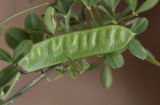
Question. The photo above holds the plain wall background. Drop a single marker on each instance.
(137, 83)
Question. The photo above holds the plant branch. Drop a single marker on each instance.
(24, 11)
(29, 85)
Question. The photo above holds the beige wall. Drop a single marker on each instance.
(135, 84)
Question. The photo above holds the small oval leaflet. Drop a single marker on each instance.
(76, 45)
(50, 20)
(106, 77)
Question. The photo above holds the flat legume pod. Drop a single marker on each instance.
(76, 45)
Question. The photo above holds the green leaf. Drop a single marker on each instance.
(66, 5)
(89, 3)
(125, 11)
(21, 50)
(7, 89)
(8, 78)
(147, 5)
(140, 25)
(112, 3)
(96, 41)
(102, 8)
(106, 77)
(5, 56)
(7, 74)
(33, 22)
(115, 60)
(50, 19)
(152, 59)
(35, 26)
(14, 36)
(1, 30)
(137, 49)
(85, 66)
(132, 4)
(36, 36)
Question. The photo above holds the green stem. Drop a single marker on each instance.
(127, 17)
(104, 10)
(66, 23)
(24, 11)
(113, 11)
(92, 16)
(29, 85)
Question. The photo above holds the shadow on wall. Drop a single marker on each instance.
(135, 84)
